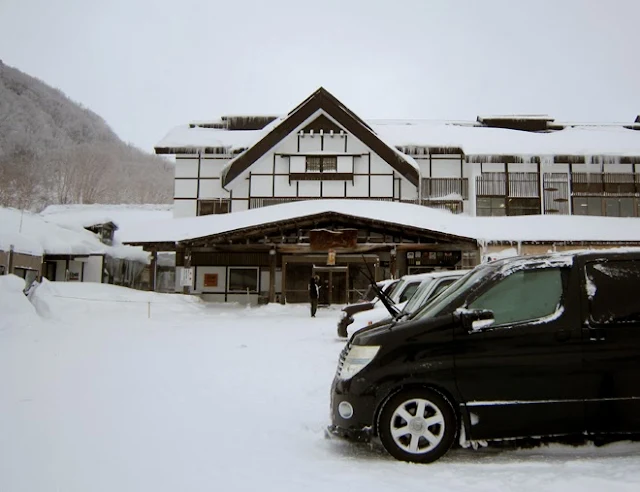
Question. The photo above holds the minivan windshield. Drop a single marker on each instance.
(463, 284)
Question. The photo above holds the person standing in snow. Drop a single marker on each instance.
(314, 290)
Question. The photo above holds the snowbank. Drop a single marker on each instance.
(56, 300)
(15, 308)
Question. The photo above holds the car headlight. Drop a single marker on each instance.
(357, 359)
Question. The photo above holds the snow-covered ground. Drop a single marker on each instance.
(108, 389)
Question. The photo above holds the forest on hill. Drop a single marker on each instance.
(54, 151)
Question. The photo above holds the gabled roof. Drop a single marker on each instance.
(321, 100)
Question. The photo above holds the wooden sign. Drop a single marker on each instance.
(325, 239)
(331, 257)
(210, 279)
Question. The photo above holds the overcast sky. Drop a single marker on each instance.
(146, 66)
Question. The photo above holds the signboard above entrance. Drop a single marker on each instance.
(325, 239)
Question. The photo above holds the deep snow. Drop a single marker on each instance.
(98, 396)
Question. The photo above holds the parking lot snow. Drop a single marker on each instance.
(120, 390)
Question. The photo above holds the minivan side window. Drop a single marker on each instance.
(442, 285)
(408, 292)
(612, 288)
(524, 295)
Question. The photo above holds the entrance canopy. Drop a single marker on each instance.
(420, 222)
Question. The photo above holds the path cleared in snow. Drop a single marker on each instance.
(97, 396)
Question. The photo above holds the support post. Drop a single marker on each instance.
(401, 264)
(153, 269)
(284, 280)
(10, 262)
(272, 275)
(187, 264)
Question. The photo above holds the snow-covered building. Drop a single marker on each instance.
(263, 202)
(31, 246)
(494, 166)
(121, 265)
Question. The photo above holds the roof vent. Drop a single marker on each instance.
(524, 122)
(247, 122)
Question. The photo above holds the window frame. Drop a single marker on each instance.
(215, 202)
(330, 161)
(243, 291)
(523, 322)
(494, 199)
(601, 202)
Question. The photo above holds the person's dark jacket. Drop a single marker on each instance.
(313, 289)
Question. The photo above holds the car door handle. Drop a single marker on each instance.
(563, 335)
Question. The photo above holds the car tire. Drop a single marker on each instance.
(342, 326)
(417, 425)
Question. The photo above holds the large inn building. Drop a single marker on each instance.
(263, 166)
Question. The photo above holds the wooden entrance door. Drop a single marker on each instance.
(333, 285)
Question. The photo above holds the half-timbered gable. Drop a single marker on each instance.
(319, 150)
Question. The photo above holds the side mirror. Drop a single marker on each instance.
(475, 319)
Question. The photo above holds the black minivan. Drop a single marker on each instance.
(521, 347)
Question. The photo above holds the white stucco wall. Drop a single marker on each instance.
(93, 269)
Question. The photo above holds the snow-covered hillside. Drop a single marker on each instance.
(109, 389)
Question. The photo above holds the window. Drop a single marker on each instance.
(587, 205)
(490, 206)
(599, 206)
(618, 207)
(513, 193)
(523, 296)
(321, 163)
(408, 291)
(241, 279)
(443, 285)
(609, 285)
(523, 206)
(214, 207)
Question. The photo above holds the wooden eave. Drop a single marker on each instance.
(565, 243)
(558, 159)
(316, 221)
(154, 245)
(321, 100)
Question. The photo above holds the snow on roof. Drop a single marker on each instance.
(472, 138)
(479, 140)
(485, 229)
(516, 117)
(123, 216)
(31, 234)
(185, 136)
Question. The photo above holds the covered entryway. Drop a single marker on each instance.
(277, 256)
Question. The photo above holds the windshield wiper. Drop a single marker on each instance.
(383, 296)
